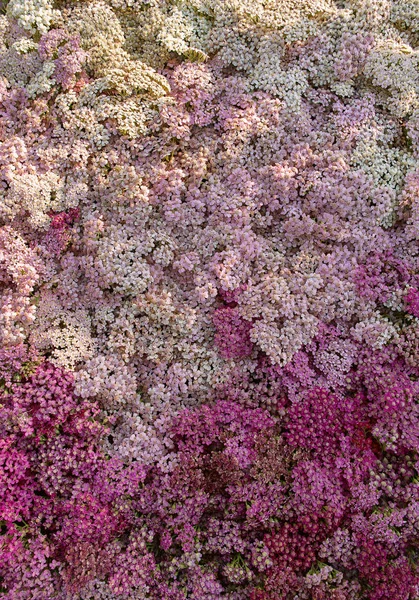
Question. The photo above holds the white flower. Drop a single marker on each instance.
(33, 15)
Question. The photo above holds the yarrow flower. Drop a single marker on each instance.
(209, 300)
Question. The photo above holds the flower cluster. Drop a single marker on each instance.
(209, 299)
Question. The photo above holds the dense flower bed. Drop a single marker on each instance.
(209, 299)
